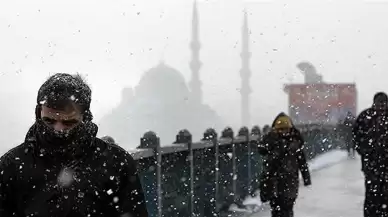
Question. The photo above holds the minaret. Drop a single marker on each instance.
(245, 74)
(195, 64)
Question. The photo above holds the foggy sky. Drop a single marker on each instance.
(114, 42)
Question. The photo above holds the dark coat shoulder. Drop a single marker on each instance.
(103, 181)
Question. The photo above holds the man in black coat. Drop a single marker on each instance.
(282, 149)
(370, 134)
(347, 131)
(62, 169)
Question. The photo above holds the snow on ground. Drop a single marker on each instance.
(328, 159)
(254, 205)
(337, 191)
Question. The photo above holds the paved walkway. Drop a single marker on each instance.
(337, 191)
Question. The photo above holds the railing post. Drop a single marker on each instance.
(256, 131)
(158, 152)
(228, 177)
(150, 140)
(211, 135)
(253, 145)
(184, 136)
(234, 170)
(244, 132)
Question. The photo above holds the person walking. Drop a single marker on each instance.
(282, 149)
(370, 135)
(62, 169)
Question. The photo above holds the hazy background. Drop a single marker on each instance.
(114, 42)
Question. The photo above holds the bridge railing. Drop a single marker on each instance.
(204, 178)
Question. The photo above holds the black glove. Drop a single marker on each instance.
(307, 182)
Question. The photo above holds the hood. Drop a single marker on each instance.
(282, 121)
(30, 136)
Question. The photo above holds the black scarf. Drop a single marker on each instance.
(71, 144)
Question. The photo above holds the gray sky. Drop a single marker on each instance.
(114, 42)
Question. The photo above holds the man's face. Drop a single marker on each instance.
(283, 130)
(61, 120)
(381, 106)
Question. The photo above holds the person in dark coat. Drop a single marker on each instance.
(370, 134)
(62, 169)
(282, 149)
(347, 131)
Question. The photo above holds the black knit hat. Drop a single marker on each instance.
(61, 89)
(380, 97)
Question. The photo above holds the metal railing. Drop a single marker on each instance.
(204, 178)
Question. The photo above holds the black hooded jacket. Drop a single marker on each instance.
(94, 179)
(283, 159)
(370, 135)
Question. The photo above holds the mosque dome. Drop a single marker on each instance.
(163, 82)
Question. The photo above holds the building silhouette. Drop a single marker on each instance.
(245, 74)
(310, 73)
(163, 102)
(195, 64)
